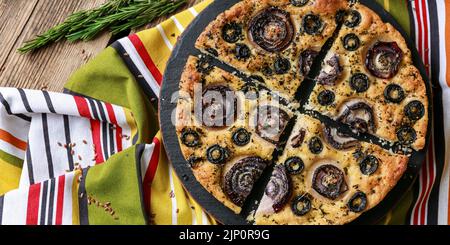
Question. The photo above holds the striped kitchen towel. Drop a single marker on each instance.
(67, 159)
(128, 74)
(110, 193)
(52, 133)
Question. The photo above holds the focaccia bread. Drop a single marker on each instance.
(372, 75)
(233, 120)
(220, 153)
(315, 183)
(274, 41)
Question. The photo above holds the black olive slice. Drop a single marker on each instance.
(301, 205)
(239, 180)
(294, 165)
(357, 202)
(219, 106)
(306, 61)
(331, 71)
(315, 145)
(271, 122)
(242, 51)
(281, 65)
(369, 165)
(326, 97)
(359, 116)
(406, 135)
(414, 110)
(241, 137)
(359, 82)
(354, 20)
(338, 141)
(231, 32)
(272, 29)
(383, 59)
(278, 188)
(312, 24)
(190, 137)
(299, 3)
(394, 93)
(217, 154)
(351, 42)
(204, 64)
(329, 181)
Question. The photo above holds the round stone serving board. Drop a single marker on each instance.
(175, 66)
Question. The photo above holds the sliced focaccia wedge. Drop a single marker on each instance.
(226, 136)
(369, 82)
(324, 177)
(274, 41)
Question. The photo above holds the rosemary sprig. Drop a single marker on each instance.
(118, 15)
(129, 16)
(148, 14)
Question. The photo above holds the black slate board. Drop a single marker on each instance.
(185, 47)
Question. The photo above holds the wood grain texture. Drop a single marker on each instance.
(50, 67)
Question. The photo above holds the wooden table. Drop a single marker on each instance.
(48, 68)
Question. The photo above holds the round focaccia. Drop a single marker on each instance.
(233, 119)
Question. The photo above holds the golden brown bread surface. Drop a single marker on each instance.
(260, 60)
(208, 174)
(388, 117)
(324, 210)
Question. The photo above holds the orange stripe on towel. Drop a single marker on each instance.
(11, 139)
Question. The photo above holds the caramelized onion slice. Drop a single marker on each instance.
(329, 181)
(239, 180)
(272, 29)
(383, 59)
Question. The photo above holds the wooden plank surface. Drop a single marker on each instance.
(50, 67)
